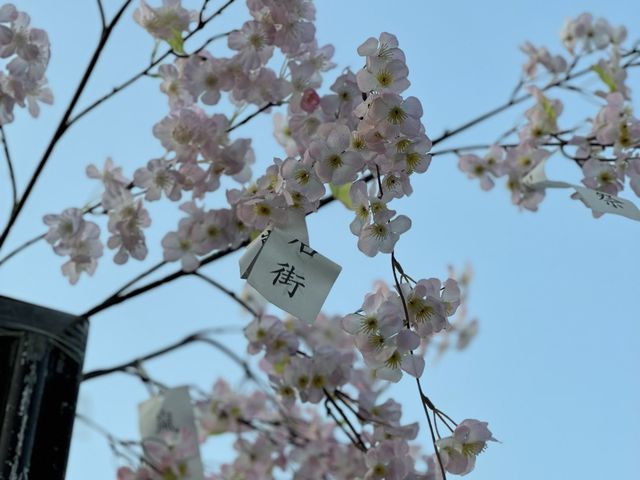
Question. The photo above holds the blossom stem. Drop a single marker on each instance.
(12, 176)
(395, 267)
(433, 438)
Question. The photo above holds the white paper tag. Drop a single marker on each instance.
(597, 201)
(289, 273)
(602, 202)
(537, 178)
(169, 434)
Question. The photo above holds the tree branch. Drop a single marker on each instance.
(514, 101)
(22, 247)
(253, 115)
(200, 336)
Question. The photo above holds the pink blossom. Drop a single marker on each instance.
(77, 238)
(381, 236)
(253, 44)
(384, 77)
(163, 22)
(310, 100)
(158, 177)
(333, 162)
(459, 451)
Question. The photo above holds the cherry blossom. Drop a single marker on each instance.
(166, 21)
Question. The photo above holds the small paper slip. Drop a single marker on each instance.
(602, 202)
(289, 273)
(169, 434)
(599, 202)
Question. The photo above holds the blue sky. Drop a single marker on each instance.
(554, 367)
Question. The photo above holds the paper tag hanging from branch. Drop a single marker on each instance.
(169, 434)
(289, 273)
(599, 202)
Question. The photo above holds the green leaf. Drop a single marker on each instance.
(176, 42)
(341, 192)
(605, 77)
(548, 109)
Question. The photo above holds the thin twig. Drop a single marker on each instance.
(514, 101)
(113, 442)
(226, 291)
(359, 442)
(21, 247)
(12, 175)
(394, 267)
(142, 275)
(201, 14)
(145, 72)
(253, 115)
(433, 437)
(103, 19)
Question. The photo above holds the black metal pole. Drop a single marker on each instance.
(41, 356)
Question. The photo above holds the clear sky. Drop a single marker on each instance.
(554, 367)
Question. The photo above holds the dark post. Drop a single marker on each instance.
(41, 356)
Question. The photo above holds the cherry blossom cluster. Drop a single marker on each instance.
(167, 456)
(388, 340)
(337, 140)
(362, 437)
(317, 363)
(605, 146)
(73, 236)
(27, 50)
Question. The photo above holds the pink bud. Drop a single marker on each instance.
(310, 100)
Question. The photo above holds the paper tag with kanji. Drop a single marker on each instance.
(169, 434)
(602, 202)
(599, 202)
(289, 273)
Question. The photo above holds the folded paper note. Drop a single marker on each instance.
(599, 202)
(289, 273)
(169, 434)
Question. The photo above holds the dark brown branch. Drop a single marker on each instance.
(21, 247)
(395, 267)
